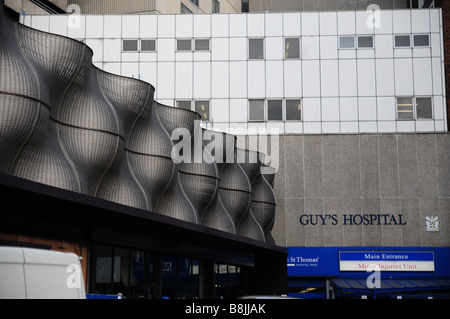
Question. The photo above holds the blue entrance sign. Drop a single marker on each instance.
(386, 260)
(352, 261)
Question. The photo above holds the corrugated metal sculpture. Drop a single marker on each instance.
(68, 124)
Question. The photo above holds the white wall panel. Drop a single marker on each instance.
(328, 47)
(255, 25)
(367, 108)
(384, 46)
(330, 109)
(384, 23)
(130, 26)
(310, 23)
(349, 127)
(329, 77)
(238, 49)
(402, 20)
(311, 78)
(202, 26)
(274, 79)
(238, 25)
(435, 17)
(220, 111)
(274, 24)
(330, 127)
(256, 79)
(438, 108)
(403, 77)
(202, 80)
(368, 127)
(148, 72)
(420, 21)
(164, 88)
(219, 49)
(183, 80)
(238, 79)
(220, 80)
(385, 76)
(348, 107)
(293, 127)
(130, 70)
(274, 48)
(219, 23)
(386, 108)
(438, 76)
(365, 22)
(346, 23)
(291, 24)
(311, 109)
(328, 23)
(76, 31)
(238, 110)
(184, 25)
(422, 77)
(149, 26)
(292, 78)
(112, 50)
(166, 26)
(113, 68)
(166, 49)
(347, 78)
(366, 77)
(113, 27)
(310, 48)
(387, 127)
(94, 27)
(58, 25)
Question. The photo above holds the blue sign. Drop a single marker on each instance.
(325, 261)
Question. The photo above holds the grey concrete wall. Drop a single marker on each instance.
(376, 174)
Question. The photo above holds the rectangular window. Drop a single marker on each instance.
(202, 44)
(184, 105)
(405, 108)
(256, 110)
(424, 108)
(130, 45)
(292, 48)
(202, 108)
(256, 49)
(215, 6)
(421, 40)
(184, 45)
(148, 45)
(402, 41)
(293, 110)
(365, 42)
(346, 42)
(275, 110)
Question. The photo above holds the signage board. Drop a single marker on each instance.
(386, 260)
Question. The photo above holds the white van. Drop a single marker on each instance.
(28, 273)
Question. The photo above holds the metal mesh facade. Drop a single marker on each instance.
(68, 124)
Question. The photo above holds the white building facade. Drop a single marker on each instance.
(298, 72)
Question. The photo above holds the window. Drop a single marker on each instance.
(148, 45)
(292, 48)
(346, 42)
(256, 49)
(402, 41)
(184, 45)
(405, 108)
(202, 44)
(256, 110)
(184, 105)
(202, 108)
(130, 45)
(410, 108)
(421, 40)
(424, 108)
(215, 6)
(293, 110)
(352, 42)
(365, 42)
(275, 110)
(184, 9)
